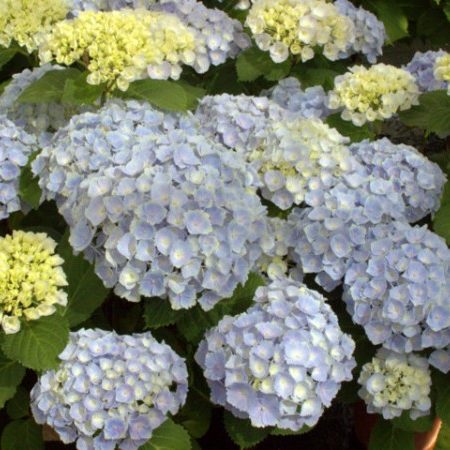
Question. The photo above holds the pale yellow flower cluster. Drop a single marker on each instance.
(375, 93)
(118, 47)
(25, 21)
(297, 27)
(442, 69)
(30, 278)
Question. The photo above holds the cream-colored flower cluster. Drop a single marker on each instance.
(30, 278)
(442, 69)
(374, 93)
(25, 21)
(297, 27)
(393, 383)
(119, 47)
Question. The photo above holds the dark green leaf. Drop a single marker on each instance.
(281, 432)
(168, 95)
(442, 389)
(169, 436)
(77, 91)
(49, 88)
(29, 190)
(253, 63)
(195, 415)
(346, 128)
(18, 406)
(441, 220)
(393, 17)
(420, 425)
(38, 343)
(241, 431)
(432, 114)
(22, 435)
(385, 437)
(85, 291)
(6, 54)
(158, 313)
(11, 372)
(443, 442)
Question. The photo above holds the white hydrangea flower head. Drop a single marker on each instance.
(393, 383)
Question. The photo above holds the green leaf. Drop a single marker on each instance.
(280, 432)
(443, 442)
(346, 128)
(49, 88)
(18, 406)
(385, 437)
(6, 54)
(194, 322)
(442, 388)
(241, 431)
(169, 436)
(432, 114)
(195, 415)
(22, 435)
(77, 91)
(441, 220)
(38, 343)
(29, 190)
(420, 425)
(158, 313)
(85, 291)
(393, 17)
(168, 95)
(11, 374)
(253, 63)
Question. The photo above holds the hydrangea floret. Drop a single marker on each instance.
(401, 294)
(163, 210)
(31, 278)
(369, 32)
(393, 383)
(422, 67)
(374, 93)
(309, 103)
(281, 362)
(41, 119)
(297, 27)
(118, 47)
(110, 390)
(26, 21)
(16, 147)
(442, 69)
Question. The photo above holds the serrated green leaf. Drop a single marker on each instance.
(29, 190)
(346, 128)
(48, 88)
(85, 292)
(432, 114)
(167, 95)
(22, 435)
(6, 393)
(385, 437)
(253, 63)
(169, 436)
(441, 220)
(393, 17)
(442, 388)
(420, 425)
(158, 313)
(38, 343)
(195, 416)
(77, 91)
(280, 432)
(6, 54)
(241, 431)
(18, 406)
(11, 372)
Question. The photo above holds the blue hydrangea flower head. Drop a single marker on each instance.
(419, 180)
(369, 32)
(309, 103)
(281, 362)
(401, 293)
(160, 208)
(393, 383)
(16, 146)
(110, 390)
(41, 119)
(421, 67)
